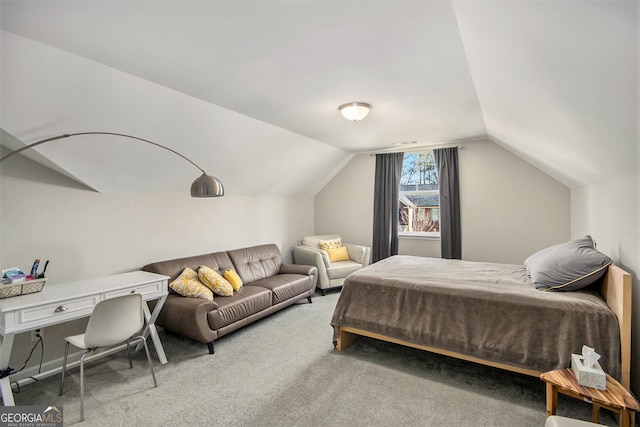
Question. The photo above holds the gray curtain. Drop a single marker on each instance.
(385, 205)
(450, 232)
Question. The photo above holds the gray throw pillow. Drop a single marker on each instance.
(567, 267)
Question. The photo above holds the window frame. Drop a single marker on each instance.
(427, 235)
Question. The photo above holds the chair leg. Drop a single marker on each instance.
(309, 299)
(82, 385)
(210, 345)
(146, 349)
(129, 354)
(64, 367)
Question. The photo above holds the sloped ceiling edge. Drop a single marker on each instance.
(48, 92)
(557, 83)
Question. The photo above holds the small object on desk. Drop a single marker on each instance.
(34, 268)
(22, 287)
(41, 275)
(14, 275)
(587, 369)
(615, 398)
(6, 270)
(15, 283)
(5, 279)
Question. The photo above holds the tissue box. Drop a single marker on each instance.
(588, 376)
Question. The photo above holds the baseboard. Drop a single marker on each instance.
(54, 366)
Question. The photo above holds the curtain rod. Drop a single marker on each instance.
(422, 146)
(414, 148)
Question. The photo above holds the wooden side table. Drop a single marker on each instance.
(615, 398)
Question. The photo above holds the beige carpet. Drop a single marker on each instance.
(283, 371)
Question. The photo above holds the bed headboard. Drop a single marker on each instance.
(616, 291)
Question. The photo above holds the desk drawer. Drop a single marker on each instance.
(48, 313)
(147, 290)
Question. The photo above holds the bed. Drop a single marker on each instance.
(487, 313)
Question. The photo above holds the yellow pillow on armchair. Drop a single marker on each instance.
(330, 244)
(338, 254)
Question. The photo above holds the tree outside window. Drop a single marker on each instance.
(419, 202)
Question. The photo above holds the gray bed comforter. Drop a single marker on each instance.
(484, 310)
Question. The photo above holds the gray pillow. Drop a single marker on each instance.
(567, 267)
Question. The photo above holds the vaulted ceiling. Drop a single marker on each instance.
(249, 90)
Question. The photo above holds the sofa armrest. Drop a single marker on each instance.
(188, 316)
(358, 253)
(307, 270)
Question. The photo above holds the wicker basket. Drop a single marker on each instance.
(22, 288)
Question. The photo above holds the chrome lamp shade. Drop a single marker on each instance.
(207, 186)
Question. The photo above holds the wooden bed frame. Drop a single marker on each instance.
(615, 289)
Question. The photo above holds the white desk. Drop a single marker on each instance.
(74, 300)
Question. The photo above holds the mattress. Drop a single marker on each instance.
(484, 310)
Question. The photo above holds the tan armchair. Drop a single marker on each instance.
(330, 274)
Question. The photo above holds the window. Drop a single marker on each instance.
(419, 202)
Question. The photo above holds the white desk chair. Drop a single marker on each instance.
(113, 322)
(556, 421)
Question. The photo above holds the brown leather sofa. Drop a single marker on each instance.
(269, 285)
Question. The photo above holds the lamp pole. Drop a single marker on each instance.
(203, 186)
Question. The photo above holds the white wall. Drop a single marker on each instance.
(345, 205)
(87, 234)
(610, 212)
(510, 209)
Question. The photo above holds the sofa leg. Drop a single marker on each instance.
(309, 299)
(323, 291)
(210, 345)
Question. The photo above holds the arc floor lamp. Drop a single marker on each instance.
(204, 186)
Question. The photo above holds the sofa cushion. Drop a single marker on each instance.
(218, 261)
(256, 262)
(284, 286)
(247, 301)
(341, 269)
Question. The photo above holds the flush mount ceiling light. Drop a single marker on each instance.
(354, 111)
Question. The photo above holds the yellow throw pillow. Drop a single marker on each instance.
(187, 285)
(338, 254)
(214, 281)
(330, 244)
(233, 278)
